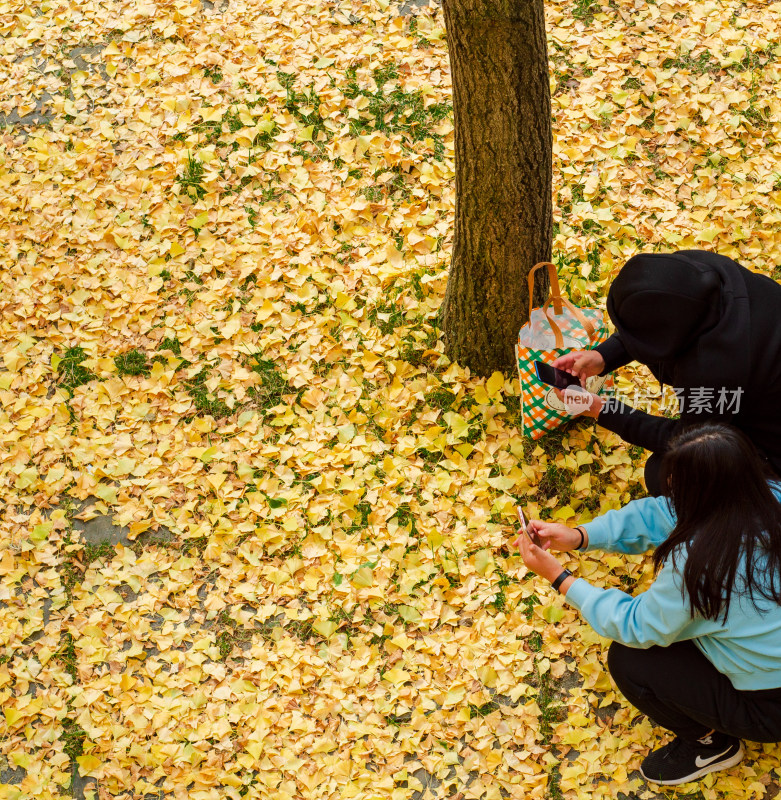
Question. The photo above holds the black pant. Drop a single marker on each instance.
(679, 689)
(653, 478)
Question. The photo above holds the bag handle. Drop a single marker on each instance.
(557, 335)
(576, 312)
(558, 301)
(555, 289)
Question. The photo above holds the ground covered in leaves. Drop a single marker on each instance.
(225, 232)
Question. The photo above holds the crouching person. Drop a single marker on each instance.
(699, 652)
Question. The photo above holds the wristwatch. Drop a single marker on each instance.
(563, 577)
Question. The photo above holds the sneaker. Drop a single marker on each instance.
(684, 760)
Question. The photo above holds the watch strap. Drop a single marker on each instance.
(563, 577)
(582, 531)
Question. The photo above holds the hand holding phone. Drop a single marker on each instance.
(554, 377)
(554, 535)
(531, 534)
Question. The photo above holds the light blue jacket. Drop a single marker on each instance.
(746, 648)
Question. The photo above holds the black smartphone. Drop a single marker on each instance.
(554, 377)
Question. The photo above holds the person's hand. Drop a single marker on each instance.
(553, 536)
(537, 559)
(580, 403)
(581, 363)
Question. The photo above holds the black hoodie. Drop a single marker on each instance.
(707, 326)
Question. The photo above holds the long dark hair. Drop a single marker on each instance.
(728, 520)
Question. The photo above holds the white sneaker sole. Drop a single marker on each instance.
(726, 764)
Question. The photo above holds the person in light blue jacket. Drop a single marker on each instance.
(699, 652)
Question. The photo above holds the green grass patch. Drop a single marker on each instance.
(552, 710)
(70, 371)
(133, 362)
(483, 710)
(191, 179)
(396, 111)
(404, 516)
(703, 63)
(196, 544)
(584, 10)
(387, 316)
(206, 403)
(67, 655)
(758, 116)
(301, 629)
(102, 550)
(214, 74)
(374, 194)
(171, 343)
(304, 106)
(500, 598)
(554, 784)
(73, 738)
(397, 720)
(273, 384)
(528, 604)
(361, 519)
(230, 635)
(440, 398)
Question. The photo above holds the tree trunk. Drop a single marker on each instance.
(503, 153)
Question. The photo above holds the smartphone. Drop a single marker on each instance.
(533, 536)
(554, 377)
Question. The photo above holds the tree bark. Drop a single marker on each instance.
(503, 154)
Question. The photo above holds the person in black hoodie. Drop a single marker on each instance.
(704, 325)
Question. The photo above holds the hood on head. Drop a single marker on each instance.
(660, 304)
